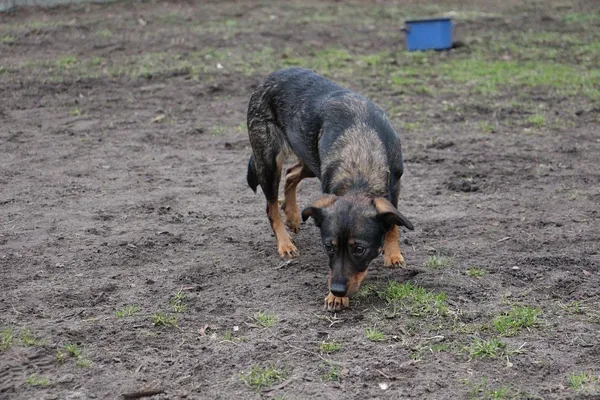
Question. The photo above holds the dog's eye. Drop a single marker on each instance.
(329, 247)
(359, 250)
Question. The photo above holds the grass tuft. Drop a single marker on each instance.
(265, 319)
(6, 338)
(476, 272)
(437, 261)
(28, 338)
(582, 381)
(374, 335)
(66, 62)
(416, 300)
(332, 373)
(177, 302)
(104, 33)
(73, 351)
(536, 121)
(127, 311)
(259, 378)
(519, 317)
(35, 380)
(330, 347)
(486, 348)
(162, 319)
(7, 39)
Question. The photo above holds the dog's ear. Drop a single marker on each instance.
(316, 209)
(389, 215)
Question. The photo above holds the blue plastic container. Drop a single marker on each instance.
(428, 34)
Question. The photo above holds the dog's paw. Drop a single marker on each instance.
(292, 217)
(333, 303)
(287, 249)
(393, 260)
(293, 222)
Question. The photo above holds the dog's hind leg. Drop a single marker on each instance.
(268, 151)
(392, 256)
(293, 176)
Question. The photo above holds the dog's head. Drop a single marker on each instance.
(352, 232)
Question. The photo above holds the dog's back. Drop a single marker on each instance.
(342, 137)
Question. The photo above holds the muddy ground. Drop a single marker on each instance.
(134, 257)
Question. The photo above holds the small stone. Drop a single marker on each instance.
(66, 378)
(515, 268)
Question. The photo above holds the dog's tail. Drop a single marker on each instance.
(252, 176)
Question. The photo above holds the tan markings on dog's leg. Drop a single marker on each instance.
(391, 249)
(285, 247)
(333, 303)
(290, 206)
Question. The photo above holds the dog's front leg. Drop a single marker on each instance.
(392, 257)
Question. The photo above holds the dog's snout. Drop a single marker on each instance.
(339, 289)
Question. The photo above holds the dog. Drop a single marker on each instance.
(347, 142)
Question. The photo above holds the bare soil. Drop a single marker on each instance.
(122, 190)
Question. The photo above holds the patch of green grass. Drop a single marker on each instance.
(580, 18)
(177, 302)
(66, 62)
(162, 319)
(73, 350)
(83, 362)
(519, 317)
(416, 300)
(331, 373)
(374, 335)
(536, 121)
(431, 349)
(490, 76)
(75, 112)
(127, 311)
(483, 391)
(486, 348)
(265, 319)
(366, 291)
(574, 307)
(6, 338)
(242, 127)
(259, 378)
(35, 380)
(410, 126)
(218, 130)
(436, 261)
(583, 381)
(487, 127)
(95, 61)
(578, 381)
(172, 18)
(330, 347)
(28, 338)
(104, 33)
(476, 272)
(7, 39)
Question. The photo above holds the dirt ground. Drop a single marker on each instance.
(134, 257)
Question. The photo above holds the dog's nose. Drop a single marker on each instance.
(338, 289)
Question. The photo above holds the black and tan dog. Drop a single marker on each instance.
(348, 143)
